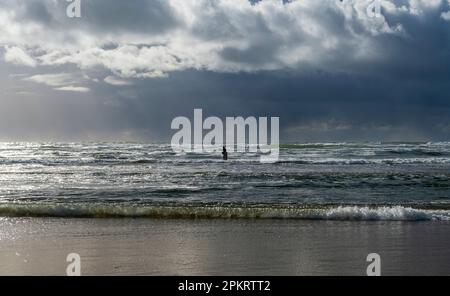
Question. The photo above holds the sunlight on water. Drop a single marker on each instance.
(361, 174)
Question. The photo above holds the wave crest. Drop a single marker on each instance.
(210, 211)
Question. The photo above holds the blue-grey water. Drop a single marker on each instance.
(363, 181)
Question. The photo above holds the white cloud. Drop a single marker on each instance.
(117, 81)
(446, 16)
(18, 56)
(61, 81)
(53, 79)
(24, 93)
(321, 126)
(73, 88)
(221, 36)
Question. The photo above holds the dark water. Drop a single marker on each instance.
(363, 181)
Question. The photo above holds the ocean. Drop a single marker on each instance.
(315, 181)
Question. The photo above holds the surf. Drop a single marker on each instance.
(227, 211)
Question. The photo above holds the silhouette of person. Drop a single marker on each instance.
(224, 153)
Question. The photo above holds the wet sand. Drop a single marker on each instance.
(39, 246)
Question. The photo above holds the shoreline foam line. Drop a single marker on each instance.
(224, 211)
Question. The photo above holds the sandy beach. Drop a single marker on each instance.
(39, 246)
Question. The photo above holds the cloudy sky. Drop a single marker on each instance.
(122, 71)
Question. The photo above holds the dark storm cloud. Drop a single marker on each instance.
(99, 16)
(326, 69)
(36, 11)
(313, 106)
(154, 16)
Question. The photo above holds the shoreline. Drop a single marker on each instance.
(196, 210)
(136, 246)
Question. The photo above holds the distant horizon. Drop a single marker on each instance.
(168, 142)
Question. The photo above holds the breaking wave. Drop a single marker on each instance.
(225, 211)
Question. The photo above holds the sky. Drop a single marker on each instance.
(328, 69)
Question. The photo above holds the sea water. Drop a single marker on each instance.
(339, 181)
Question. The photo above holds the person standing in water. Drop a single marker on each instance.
(224, 153)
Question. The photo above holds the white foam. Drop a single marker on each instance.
(395, 213)
(358, 213)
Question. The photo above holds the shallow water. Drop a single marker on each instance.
(39, 246)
